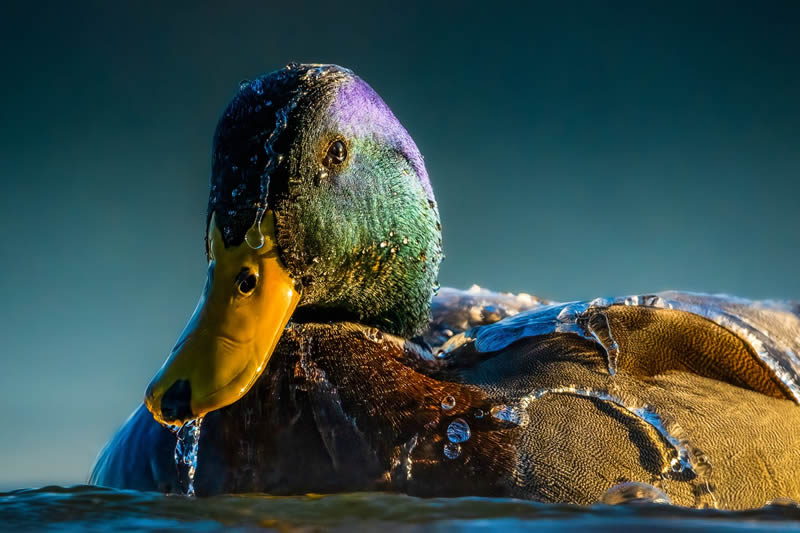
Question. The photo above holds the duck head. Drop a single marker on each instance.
(320, 210)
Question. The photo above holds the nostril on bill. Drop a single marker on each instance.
(176, 404)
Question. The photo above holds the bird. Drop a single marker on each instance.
(324, 357)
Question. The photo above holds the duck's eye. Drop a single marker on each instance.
(336, 154)
(246, 281)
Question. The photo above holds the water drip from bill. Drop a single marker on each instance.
(186, 449)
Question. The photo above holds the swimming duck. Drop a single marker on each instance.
(320, 357)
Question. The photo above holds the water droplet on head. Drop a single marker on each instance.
(383, 244)
(478, 413)
(254, 237)
(452, 450)
(243, 84)
(458, 431)
(321, 176)
(405, 240)
(448, 402)
(258, 86)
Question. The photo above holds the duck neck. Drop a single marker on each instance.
(379, 268)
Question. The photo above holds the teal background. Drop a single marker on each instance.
(577, 149)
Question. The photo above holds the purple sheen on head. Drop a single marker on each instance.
(361, 111)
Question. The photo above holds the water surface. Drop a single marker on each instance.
(87, 508)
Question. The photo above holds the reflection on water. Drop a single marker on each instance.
(83, 508)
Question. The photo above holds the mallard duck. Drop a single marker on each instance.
(321, 359)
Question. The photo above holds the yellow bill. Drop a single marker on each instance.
(248, 299)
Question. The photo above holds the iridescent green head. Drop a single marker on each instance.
(311, 162)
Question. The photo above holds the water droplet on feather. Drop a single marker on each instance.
(633, 493)
(452, 450)
(458, 431)
(599, 329)
(511, 414)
